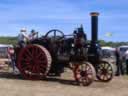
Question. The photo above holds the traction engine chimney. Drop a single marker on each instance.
(94, 26)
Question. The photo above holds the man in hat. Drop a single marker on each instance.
(23, 37)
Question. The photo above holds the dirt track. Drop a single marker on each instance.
(11, 85)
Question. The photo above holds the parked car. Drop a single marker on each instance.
(108, 52)
(122, 50)
(5, 53)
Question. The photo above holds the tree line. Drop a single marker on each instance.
(8, 40)
(13, 41)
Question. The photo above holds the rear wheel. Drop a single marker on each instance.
(34, 62)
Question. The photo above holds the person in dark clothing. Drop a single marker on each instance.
(81, 33)
(126, 61)
(119, 64)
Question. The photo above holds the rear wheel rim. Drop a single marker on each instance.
(33, 62)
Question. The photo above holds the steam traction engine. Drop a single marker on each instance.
(49, 54)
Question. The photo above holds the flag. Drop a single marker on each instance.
(108, 34)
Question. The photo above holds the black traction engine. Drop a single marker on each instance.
(50, 54)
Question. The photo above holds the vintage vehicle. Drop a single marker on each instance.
(49, 54)
(108, 52)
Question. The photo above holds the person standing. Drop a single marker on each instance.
(23, 37)
(33, 35)
(126, 61)
(118, 63)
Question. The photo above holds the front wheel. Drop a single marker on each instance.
(84, 73)
(105, 71)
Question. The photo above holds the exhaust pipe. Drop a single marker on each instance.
(94, 26)
(93, 51)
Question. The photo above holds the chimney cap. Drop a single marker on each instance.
(94, 13)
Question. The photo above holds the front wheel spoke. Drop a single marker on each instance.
(109, 76)
(89, 73)
(105, 65)
(85, 81)
(90, 76)
(99, 71)
(82, 67)
(100, 67)
(89, 69)
(108, 66)
(77, 74)
(110, 72)
(105, 77)
(78, 70)
(102, 77)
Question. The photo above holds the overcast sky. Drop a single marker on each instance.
(66, 15)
